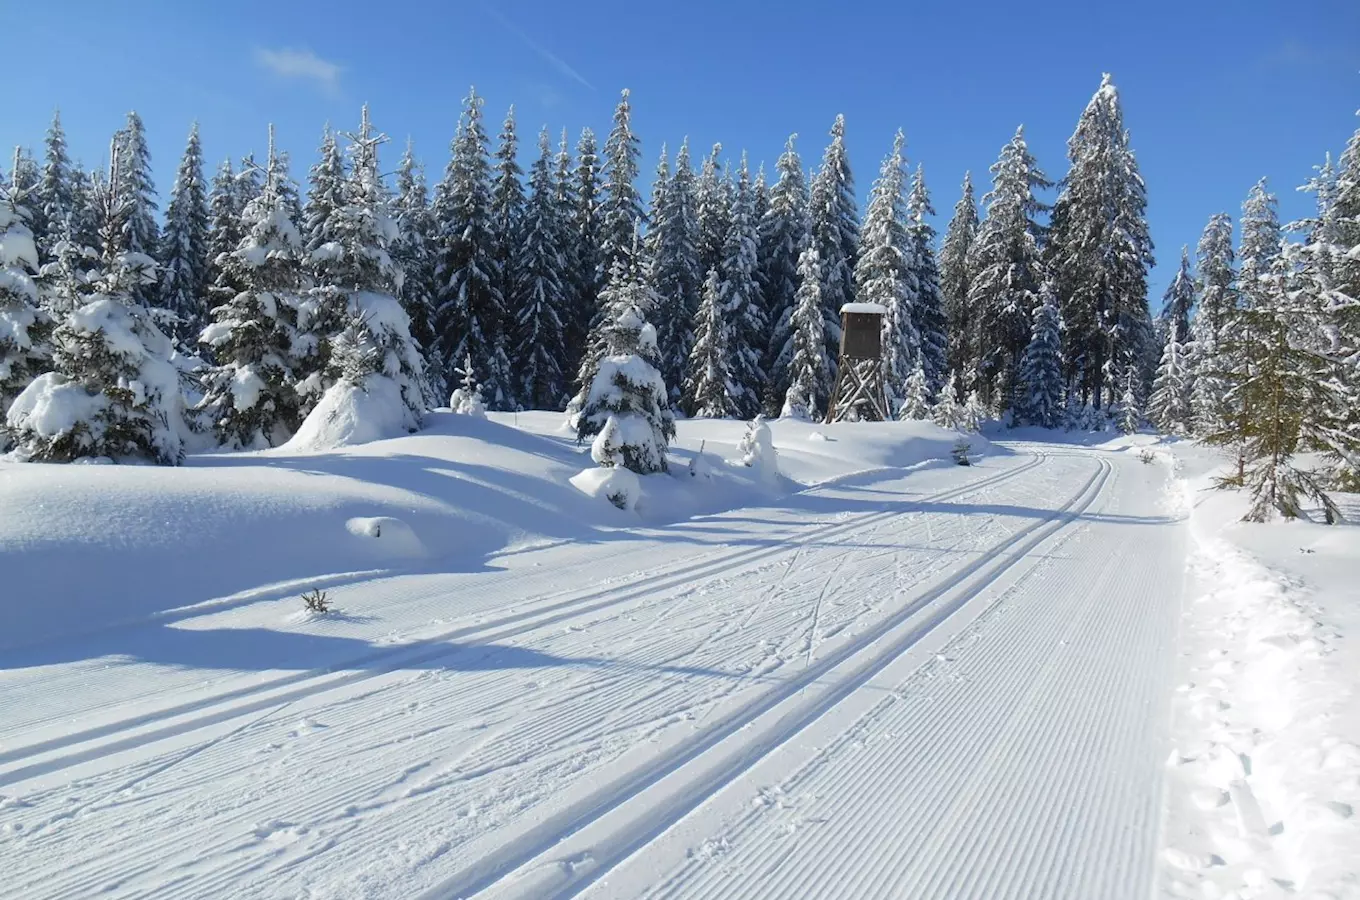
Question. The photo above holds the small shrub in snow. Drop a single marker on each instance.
(466, 399)
(317, 601)
(699, 466)
(757, 449)
(797, 405)
(960, 452)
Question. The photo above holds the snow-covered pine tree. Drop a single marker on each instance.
(834, 223)
(139, 193)
(743, 311)
(588, 276)
(713, 211)
(621, 206)
(1099, 250)
(184, 245)
(1007, 270)
(507, 220)
(363, 281)
(915, 396)
(540, 295)
(1169, 405)
(1282, 399)
(783, 237)
(1040, 399)
(1218, 303)
(956, 278)
(414, 253)
(113, 391)
(55, 200)
(466, 399)
(885, 271)
(627, 390)
(250, 396)
(1261, 243)
(25, 328)
(469, 310)
(1179, 300)
(1130, 409)
(325, 193)
(674, 253)
(948, 412)
(709, 392)
(224, 235)
(809, 374)
(629, 285)
(928, 312)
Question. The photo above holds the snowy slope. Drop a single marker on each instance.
(939, 680)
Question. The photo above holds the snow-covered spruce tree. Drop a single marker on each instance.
(809, 374)
(507, 220)
(24, 326)
(948, 412)
(627, 390)
(1261, 244)
(184, 245)
(1130, 409)
(1218, 303)
(1169, 405)
(783, 237)
(469, 310)
(250, 396)
(956, 278)
(582, 193)
(466, 399)
(540, 294)
(928, 313)
(325, 194)
(743, 310)
(414, 253)
(709, 392)
(629, 286)
(1007, 270)
(1282, 398)
(834, 223)
(362, 281)
(621, 206)
(915, 396)
(1179, 300)
(137, 192)
(1040, 399)
(885, 271)
(1099, 250)
(713, 211)
(55, 200)
(113, 391)
(675, 273)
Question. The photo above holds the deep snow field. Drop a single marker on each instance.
(1065, 671)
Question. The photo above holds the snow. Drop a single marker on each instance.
(349, 414)
(618, 485)
(875, 309)
(51, 405)
(878, 675)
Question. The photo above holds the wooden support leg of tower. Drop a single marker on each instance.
(859, 385)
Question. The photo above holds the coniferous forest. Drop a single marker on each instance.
(135, 324)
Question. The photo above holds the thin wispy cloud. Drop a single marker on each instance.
(552, 58)
(304, 65)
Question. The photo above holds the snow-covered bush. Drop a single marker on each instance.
(797, 405)
(629, 391)
(960, 452)
(757, 450)
(466, 399)
(916, 400)
(948, 412)
(616, 484)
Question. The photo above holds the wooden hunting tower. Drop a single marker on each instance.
(860, 393)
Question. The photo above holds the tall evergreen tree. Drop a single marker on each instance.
(540, 292)
(783, 237)
(586, 226)
(621, 208)
(1261, 243)
(834, 222)
(1169, 405)
(224, 234)
(1218, 302)
(956, 279)
(713, 211)
(1040, 400)
(675, 266)
(325, 194)
(1006, 270)
(184, 245)
(469, 309)
(742, 307)
(709, 391)
(885, 272)
(24, 327)
(809, 374)
(507, 219)
(138, 191)
(414, 252)
(1099, 250)
(55, 200)
(929, 311)
(1179, 300)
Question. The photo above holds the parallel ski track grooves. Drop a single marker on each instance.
(964, 583)
(433, 647)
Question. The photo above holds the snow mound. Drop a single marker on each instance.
(618, 485)
(392, 537)
(349, 414)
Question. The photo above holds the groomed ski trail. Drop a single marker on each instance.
(624, 739)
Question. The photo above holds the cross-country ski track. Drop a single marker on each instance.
(938, 682)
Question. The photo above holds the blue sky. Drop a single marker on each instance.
(1216, 95)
